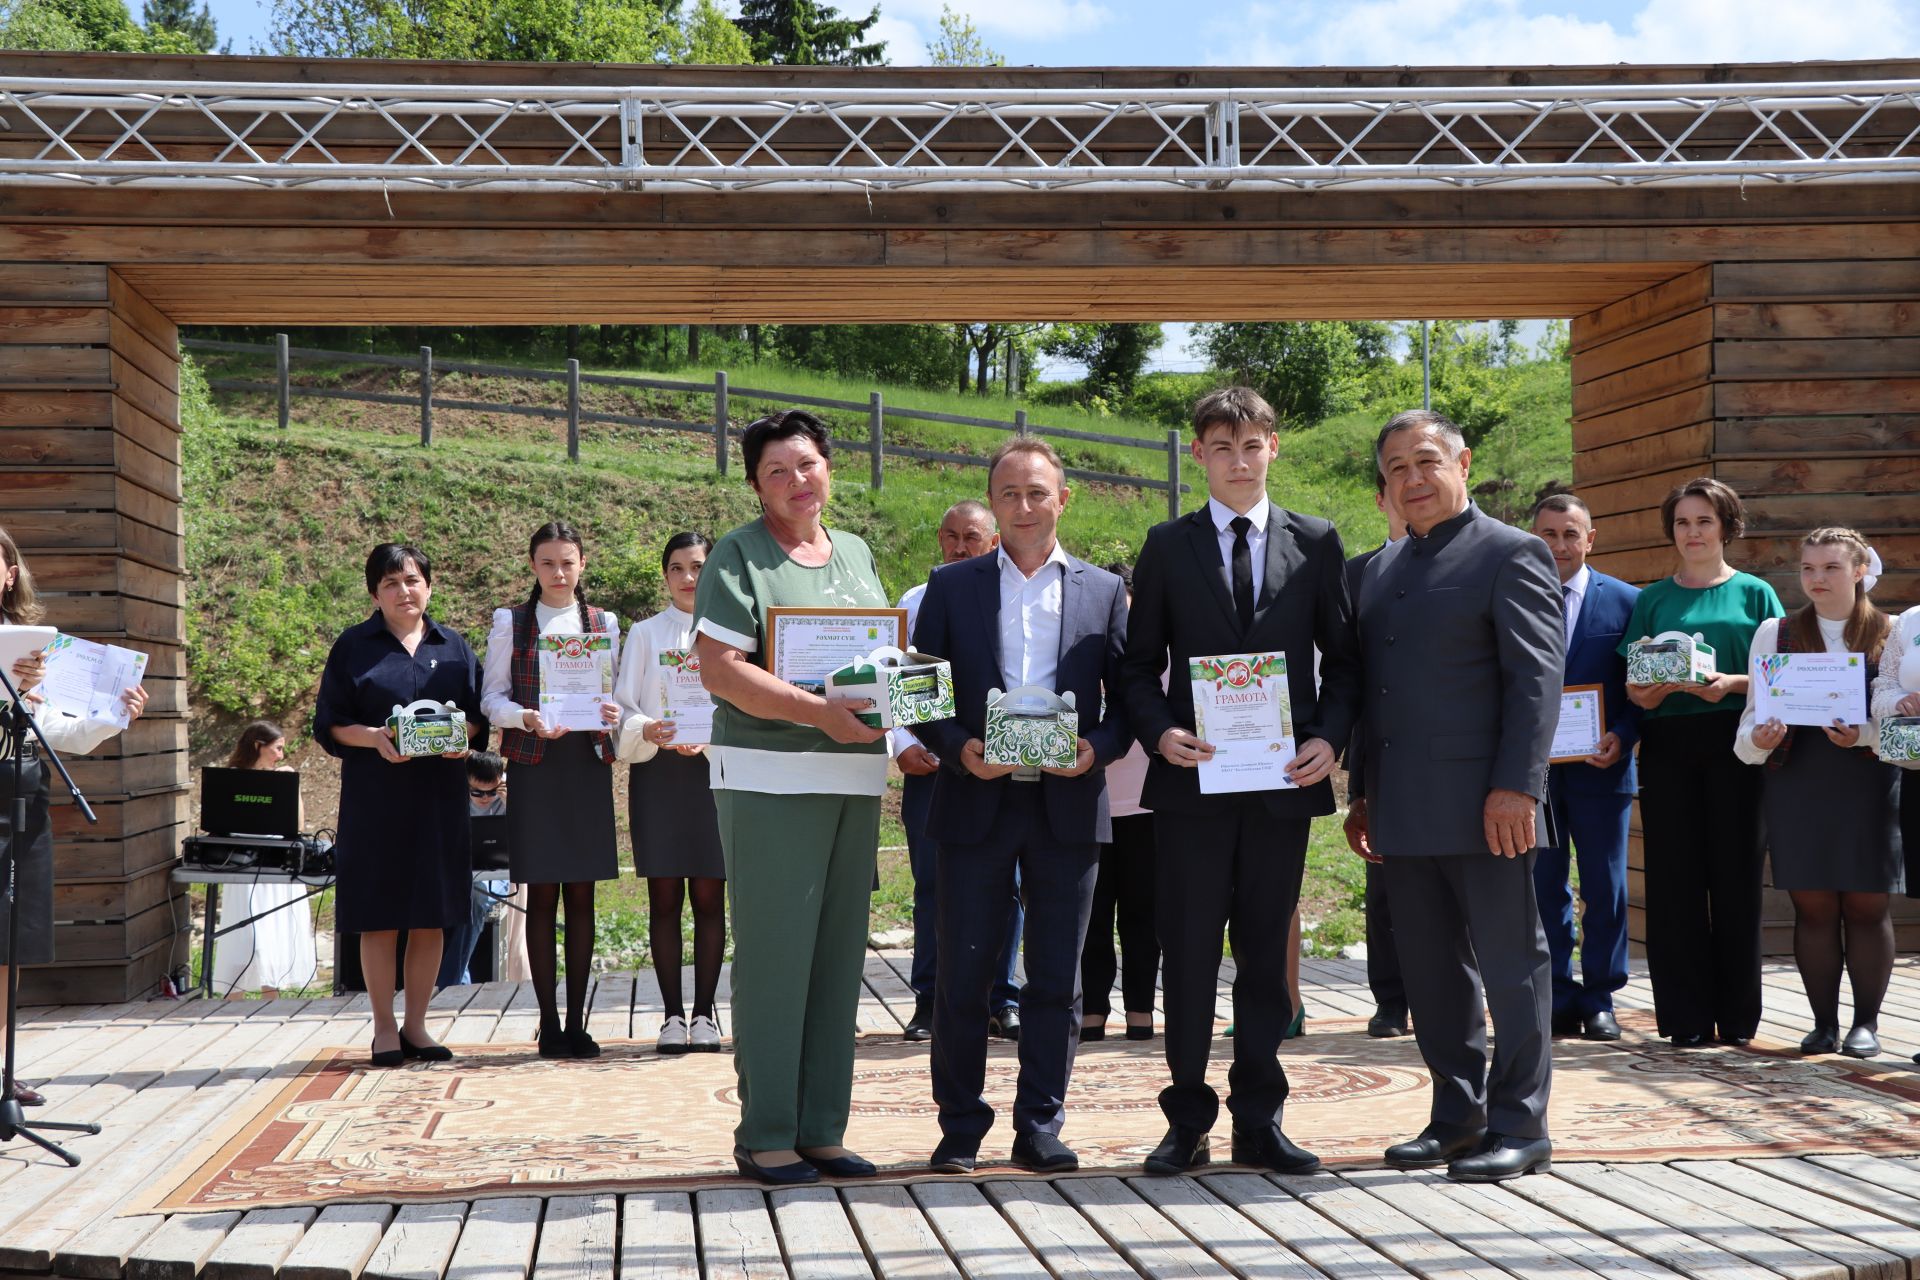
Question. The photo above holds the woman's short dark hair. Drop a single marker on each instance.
(680, 542)
(1123, 571)
(392, 557)
(1726, 505)
(784, 425)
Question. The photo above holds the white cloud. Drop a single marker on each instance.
(1510, 32)
(906, 42)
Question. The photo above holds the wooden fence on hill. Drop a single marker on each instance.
(718, 425)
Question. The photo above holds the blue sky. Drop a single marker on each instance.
(1371, 32)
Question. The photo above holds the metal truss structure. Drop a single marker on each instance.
(101, 132)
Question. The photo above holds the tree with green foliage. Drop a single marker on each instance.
(84, 25)
(713, 39)
(919, 355)
(1114, 354)
(1306, 370)
(960, 45)
(475, 30)
(182, 17)
(808, 33)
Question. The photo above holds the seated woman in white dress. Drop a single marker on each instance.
(276, 950)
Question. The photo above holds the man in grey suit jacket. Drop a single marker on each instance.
(1027, 614)
(1462, 639)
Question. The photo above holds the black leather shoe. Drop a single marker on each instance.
(920, 1025)
(1601, 1026)
(1503, 1158)
(1693, 1041)
(1822, 1039)
(1566, 1024)
(846, 1166)
(1090, 1034)
(1861, 1042)
(1005, 1024)
(1269, 1148)
(1434, 1147)
(33, 1098)
(954, 1155)
(1043, 1153)
(1139, 1033)
(424, 1052)
(798, 1174)
(390, 1057)
(1180, 1151)
(1736, 1042)
(582, 1045)
(553, 1043)
(1387, 1023)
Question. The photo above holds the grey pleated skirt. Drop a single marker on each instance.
(676, 834)
(560, 827)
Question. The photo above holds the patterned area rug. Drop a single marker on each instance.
(501, 1121)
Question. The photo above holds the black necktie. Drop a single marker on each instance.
(1242, 570)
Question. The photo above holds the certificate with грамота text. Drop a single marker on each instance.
(1243, 709)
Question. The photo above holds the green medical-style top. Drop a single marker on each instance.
(746, 574)
(1726, 616)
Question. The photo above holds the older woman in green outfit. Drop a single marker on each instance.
(797, 781)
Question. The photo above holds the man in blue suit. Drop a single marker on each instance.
(1027, 614)
(1591, 798)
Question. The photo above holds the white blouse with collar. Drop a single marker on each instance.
(1833, 634)
(496, 675)
(639, 689)
(1899, 665)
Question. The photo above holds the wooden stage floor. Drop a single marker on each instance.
(161, 1073)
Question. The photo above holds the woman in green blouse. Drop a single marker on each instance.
(797, 781)
(1699, 804)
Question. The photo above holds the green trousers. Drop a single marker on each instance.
(799, 872)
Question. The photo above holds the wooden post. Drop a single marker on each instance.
(426, 397)
(876, 417)
(720, 421)
(1020, 423)
(1173, 474)
(573, 411)
(284, 377)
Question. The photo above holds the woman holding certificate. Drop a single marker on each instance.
(797, 780)
(549, 684)
(404, 858)
(1830, 802)
(33, 850)
(1699, 803)
(667, 718)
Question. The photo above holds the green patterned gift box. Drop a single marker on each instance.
(906, 688)
(1032, 728)
(1670, 658)
(428, 728)
(1900, 739)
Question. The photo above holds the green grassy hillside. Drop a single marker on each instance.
(279, 523)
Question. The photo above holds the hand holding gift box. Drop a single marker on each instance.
(428, 728)
(1672, 657)
(905, 688)
(1032, 728)
(1900, 741)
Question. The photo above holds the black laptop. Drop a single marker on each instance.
(258, 803)
(490, 842)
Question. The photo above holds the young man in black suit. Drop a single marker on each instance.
(1238, 576)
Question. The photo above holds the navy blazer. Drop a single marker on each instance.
(959, 620)
(1593, 658)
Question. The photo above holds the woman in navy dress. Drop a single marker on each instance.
(403, 860)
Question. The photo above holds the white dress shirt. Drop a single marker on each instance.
(640, 687)
(1223, 517)
(1030, 620)
(1577, 584)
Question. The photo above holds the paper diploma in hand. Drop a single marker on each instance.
(805, 646)
(1242, 706)
(1812, 689)
(576, 677)
(684, 701)
(87, 680)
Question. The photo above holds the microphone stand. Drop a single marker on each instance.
(13, 1120)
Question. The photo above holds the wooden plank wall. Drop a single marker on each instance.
(90, 488)
(1798, 383)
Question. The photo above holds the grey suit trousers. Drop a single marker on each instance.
(1468, 928)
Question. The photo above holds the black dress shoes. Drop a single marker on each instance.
(1861, 1042)
(1601, 1026)
(1736, 1042)
(1566, 1024)
(920, 1025)
(798, 1174)
(1139, 1033)
(1434, 1147)
(1180, 1151)
(1269, 1148)
(1005, 1024)
(424, 1052)
(1822, 1039)
(846, 1166)
(954, 1155)
(1691, 1041)
(1387, 1023)
(1502, 1158)
(389, 1057)
(1043, 1153)
(1090, 1034)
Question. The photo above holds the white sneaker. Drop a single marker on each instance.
(673, 1036)
(705, 1035)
